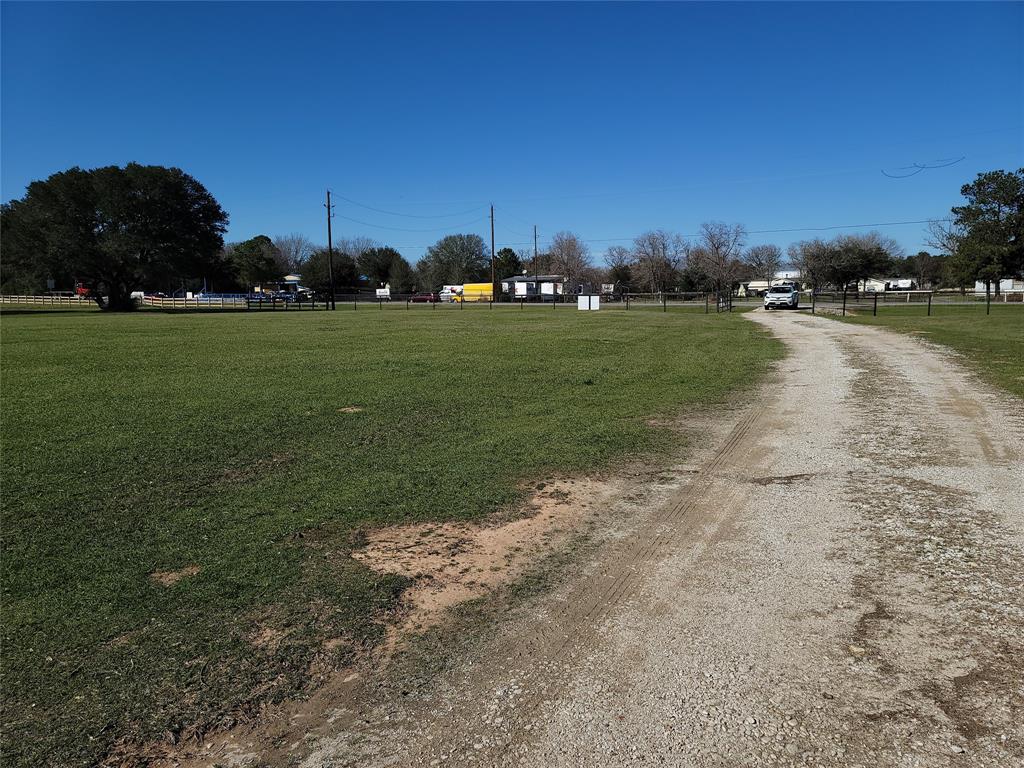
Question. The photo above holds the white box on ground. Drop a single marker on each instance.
(588, 302)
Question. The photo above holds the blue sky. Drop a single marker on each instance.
(606, 120)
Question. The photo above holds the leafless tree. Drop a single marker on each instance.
(569, 257)
(944, 236)
(764, 260)
(877, 241)
(526, 257)
(720, 248)
(618, 256)
(814, 260)
(294, 250)
(354, 246)
(658, 256)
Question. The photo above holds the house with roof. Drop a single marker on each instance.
(544, 287)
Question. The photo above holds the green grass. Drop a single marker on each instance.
(151, 442)
(992, 344)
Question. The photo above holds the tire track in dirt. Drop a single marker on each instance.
(548, 646)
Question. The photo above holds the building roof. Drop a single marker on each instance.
(534, 279)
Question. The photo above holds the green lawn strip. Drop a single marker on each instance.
(153, 442)
(992, 344)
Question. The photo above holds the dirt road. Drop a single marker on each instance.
(836, 579)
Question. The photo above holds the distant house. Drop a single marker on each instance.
(883, 284)
(1006, 285)
(760, 287)
(547, 287)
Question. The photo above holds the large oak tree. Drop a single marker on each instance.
(116, 230)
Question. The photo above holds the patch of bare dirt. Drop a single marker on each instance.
(351, 409)
(254, 469)
(451, 563)
(267, 638)
(170, 578)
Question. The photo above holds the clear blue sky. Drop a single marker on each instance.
(606, 120)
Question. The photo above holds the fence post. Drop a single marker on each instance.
(380, 304)
(522, 304)
(627, 302)
(929, 304)
(814, 296)
(988, 297)
(844, 301)
(707, 302)
(874, 309)
(664, 301)
(407, 304)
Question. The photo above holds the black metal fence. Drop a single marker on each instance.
(925, 302)
(703, 302)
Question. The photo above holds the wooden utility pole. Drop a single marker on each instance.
(330, 250)
(536, 266)
(492, 253)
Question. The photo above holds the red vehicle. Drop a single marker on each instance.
(425, 298)
(82, 290)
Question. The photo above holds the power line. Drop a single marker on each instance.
(916, 168)
(405, 229)
(749, 231)
(406, 215)
(839, 226)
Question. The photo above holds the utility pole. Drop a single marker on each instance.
(536, 266)
(330, 250)
(492, 252)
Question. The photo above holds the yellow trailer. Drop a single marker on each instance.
(475, 292)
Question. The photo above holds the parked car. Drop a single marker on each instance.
(784, 296)
(425, 298)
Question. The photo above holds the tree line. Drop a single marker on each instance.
(117, 230)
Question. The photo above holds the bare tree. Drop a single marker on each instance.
(620, 267)
(764, 260)
(659, 255)
(354, 246)
(294, 250)
(814, 259)
(721, 246)
(944, 236)
(569, 257)
(526, 257)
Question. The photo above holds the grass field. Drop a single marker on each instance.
(992, 344)
(228, 445)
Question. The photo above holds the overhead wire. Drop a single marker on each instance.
(406, 229)
(918, 167)
(749, 231)
(406, 215)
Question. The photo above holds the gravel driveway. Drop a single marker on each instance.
(836, 579)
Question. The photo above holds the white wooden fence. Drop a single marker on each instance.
(49, 301)
(220, 302)
(196, 302)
